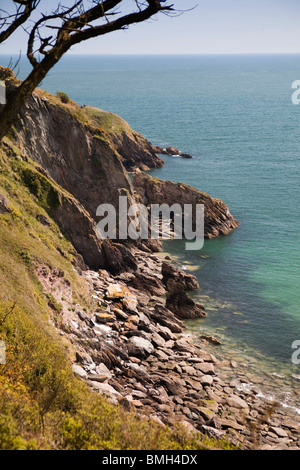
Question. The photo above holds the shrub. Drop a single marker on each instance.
(63, 97)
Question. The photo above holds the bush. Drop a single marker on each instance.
(63, 97)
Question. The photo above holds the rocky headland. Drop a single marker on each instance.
(133, 345)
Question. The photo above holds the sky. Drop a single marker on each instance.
(211, 27)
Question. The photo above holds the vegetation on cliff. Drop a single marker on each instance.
(43, 405)
(47, 225)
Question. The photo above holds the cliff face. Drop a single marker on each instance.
(78, 149)
(71, 216)
(133, 149)
(86, 152)
(80, 159)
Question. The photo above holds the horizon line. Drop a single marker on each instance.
(163, 54)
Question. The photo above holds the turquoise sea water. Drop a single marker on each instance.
(235, 115)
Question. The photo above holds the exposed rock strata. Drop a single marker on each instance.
(73, 154)
(218, 219)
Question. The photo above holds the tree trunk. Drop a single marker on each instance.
(18, 97)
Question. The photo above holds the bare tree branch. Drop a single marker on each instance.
(19, 18)
(69, 26)
(43, 20)
(154, 7)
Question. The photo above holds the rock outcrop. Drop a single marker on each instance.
(172, 151)
(4, 205)
(218, 219)
(177, 283)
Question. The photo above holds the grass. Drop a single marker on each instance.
(102, 123)
(109, 122)
(43, 405)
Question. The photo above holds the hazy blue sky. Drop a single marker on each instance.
(214, 26)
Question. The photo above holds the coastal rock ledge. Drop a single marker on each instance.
(218, 219)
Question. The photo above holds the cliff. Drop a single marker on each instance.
(86, 151)
(89, 323)
(77, 149)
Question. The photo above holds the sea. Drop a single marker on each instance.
(235, 115)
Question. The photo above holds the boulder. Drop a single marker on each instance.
(104, 389)
(184, 345)
(237, 402)
(120, 314)
(279, 431)
(122, 293)
(130, 302)
(206, 380)
(211, 339)
(186, 155)
(83, 358)
(78, 370)
(115, 291)
(140, 347)
(181, 281)
(184, 307)
(174, 386)
(117, 257)
(166, 318)
(172, 151)
(104, 317)
(148, 283)
(103, 370)
(206, 368)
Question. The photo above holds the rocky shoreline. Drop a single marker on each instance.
(136, 352)
(132, 346)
